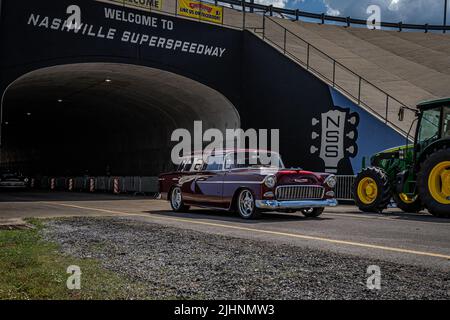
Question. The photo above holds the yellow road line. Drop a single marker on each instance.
(387, 217)
(356, 215)
(370, 217)
(277, 233)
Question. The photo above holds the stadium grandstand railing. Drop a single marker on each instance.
(296, 14)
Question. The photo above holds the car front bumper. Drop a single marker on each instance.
(288, 205)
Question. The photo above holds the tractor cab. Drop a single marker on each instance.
(414, 176)
(434, 124)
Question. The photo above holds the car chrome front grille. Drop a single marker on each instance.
(299, 192)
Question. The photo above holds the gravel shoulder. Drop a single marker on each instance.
(172, 263)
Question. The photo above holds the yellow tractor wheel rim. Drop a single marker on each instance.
(367, 190)
(408, 200)
(439, 182)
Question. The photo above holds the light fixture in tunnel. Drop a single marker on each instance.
(60, 100)
(28, 114)
(108, 80)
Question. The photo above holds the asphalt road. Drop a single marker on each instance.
(410, 239)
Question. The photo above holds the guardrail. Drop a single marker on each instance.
(295, 14)
(142, 185)
(136, 184)
(344, 187)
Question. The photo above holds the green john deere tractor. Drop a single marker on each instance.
(415, 176)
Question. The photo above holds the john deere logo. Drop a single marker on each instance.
(337, 130)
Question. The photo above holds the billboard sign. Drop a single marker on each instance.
(200, 10)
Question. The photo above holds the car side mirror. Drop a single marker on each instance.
(401, 114)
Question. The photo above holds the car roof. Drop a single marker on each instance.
(225, 151)
(433, 103)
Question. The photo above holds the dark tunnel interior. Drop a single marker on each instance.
(103, 119)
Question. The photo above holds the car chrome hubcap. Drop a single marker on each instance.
(176, 198)
(246, 203)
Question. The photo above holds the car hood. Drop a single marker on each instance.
(298, 176)
(288, 176)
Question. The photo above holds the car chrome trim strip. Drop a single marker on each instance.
(277, 205)
(231, 182)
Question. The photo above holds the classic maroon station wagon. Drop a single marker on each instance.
(246, 186)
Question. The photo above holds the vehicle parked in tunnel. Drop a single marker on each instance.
(247, 186)
(10, 179)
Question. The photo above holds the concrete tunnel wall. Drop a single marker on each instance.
(99, 117)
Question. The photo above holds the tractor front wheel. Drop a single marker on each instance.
(408, 204)
(371, 190)
(433, 182)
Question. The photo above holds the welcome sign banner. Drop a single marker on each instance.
(138, 4)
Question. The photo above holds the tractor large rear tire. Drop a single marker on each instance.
(408, 205)
(371, 190)
(433, 181)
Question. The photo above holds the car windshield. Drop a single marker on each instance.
(253, 159)
(214, 163)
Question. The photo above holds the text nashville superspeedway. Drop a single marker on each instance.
(101, 32)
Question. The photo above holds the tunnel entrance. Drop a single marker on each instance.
(103, 118)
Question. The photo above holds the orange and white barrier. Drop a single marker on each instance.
(70, 185)
(91, 185)
(32, 183)
(52, 184)
(116, 187)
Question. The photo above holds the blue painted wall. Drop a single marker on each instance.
(373, 135)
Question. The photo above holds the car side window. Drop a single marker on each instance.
(229, 161)
(187, 165)
(198, 164)
(181, 166)
(214, 163)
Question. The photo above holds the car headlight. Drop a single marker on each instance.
(331, 181)
(270, 181)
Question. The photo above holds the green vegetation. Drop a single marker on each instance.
(31, 268)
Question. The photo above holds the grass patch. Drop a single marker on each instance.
(31, 268)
